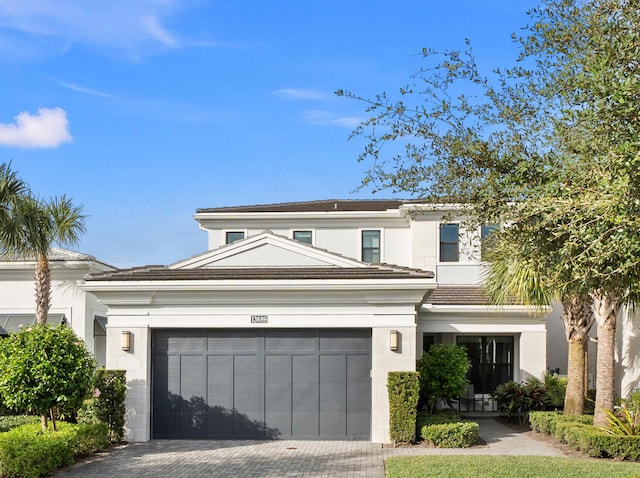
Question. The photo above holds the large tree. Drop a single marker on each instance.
(513, 275)
(549, 146)
(31, 226)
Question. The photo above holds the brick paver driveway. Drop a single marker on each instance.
(222, 458)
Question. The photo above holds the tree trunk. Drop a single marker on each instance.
(43, 289)
(44, 422)
(604, 305)
(577, 317)
(576, 367)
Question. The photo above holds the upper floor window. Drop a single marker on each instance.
(303, 236)
(371, 246)
(233, 236)
(449, 242)
(485, 244)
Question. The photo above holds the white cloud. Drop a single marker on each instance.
(136, 27)
(48, 128)
(325, 117)
(158, 33)
(84, 89)
(299, 94)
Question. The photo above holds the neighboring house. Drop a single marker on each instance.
(288, 325)
(69, 305)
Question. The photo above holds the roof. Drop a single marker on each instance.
(164, 273)
(458, 295)
(56, 254)
(324, 205)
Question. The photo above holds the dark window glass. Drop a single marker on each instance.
(430, 339)
(371, 246)
(233, 236)
(449, 243)
(491, 360)
(485, 244)
(303, 236)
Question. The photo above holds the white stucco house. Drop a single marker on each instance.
(287, 325)
(69, 304)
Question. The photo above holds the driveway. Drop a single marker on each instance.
(335, 459)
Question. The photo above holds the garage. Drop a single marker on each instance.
(261, 383)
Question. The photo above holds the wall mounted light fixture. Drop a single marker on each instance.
(125, 340)
(393, 340)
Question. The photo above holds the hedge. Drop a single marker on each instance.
(451, 435)
(26, 451)
(579, 433)
(404, 390)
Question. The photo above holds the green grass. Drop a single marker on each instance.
(506, 467)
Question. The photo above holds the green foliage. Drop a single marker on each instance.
(11, 421)
(625, 419)
(27, 451)
(548, 146)
(451, 435)
(440, 416)
(403, 390)
(433, 466)
(443, 374)
(517, 400)
(580, 433)
(111, 387)
(44, 367)
(556, 388)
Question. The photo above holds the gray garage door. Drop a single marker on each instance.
(261, 383)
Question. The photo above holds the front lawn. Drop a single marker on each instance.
(506, 467)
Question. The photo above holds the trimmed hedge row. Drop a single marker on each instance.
(579, 433)
(11, 421)
(445, 429)
(404, 390)
(26, 451)
(451, 435)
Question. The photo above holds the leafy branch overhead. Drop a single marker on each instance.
(549, 146)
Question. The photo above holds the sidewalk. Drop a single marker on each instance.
(499, 439)
(283, 458)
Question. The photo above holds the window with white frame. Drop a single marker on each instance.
(303, 236)
(233, 236)
(371, 246)
(449, 242)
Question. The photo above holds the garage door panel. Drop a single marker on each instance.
(232, 341)
(261, 383)
(291, 340)
(193, 408)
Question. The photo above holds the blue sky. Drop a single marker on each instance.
(144, 110)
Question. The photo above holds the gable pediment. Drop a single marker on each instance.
(266, 250)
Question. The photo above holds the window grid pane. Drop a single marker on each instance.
(371, 246)
(303, 236)
(233, 236)
(449, 251)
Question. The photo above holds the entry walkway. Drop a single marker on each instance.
(286, 458)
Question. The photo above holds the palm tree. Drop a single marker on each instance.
(36, 225)
(12, 190)
(513, 275)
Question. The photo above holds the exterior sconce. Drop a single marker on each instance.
(125, 340)
(393, 340)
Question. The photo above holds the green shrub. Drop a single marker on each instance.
(580, 433)
(625, 419)
(11, 421)
(403, 390)
(556, 388)
(44, 367)
(517, 400)
(440, 416)
(451, 435)
(111, 389)
(443, 374)
(27, 451)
